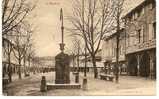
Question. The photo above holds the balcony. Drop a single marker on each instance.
(141, 46)
(121, 58)
(107, 59)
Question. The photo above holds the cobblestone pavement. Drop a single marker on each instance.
(128, 85)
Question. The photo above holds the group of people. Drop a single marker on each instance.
(110, 69)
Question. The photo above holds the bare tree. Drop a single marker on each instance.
(118, 5)
(13, 14)
(36, 62)
(92, 23)
(30, 57)
(8, 48)
(21, 44)
(29, 51)
(75, 51)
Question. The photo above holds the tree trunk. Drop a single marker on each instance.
(25, 73)
(9, 69)
(94, 66)
(73, 63)
(29, 65)
(19, 69)
(117, 60)
(116, 73)
(78, 70)
(34, 68)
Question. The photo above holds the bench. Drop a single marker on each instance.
(26, 75)
(106, 77)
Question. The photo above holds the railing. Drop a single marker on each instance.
(121, 58)
(108, 58)
(141, 46)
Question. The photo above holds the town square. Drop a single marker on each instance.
(79, 48)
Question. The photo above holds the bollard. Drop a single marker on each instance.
(76, 77)
(84, 83)
(43, 87)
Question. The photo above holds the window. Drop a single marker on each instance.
(154, 29)
(129, 18)
(144, 34)
(120, 50)
(139, 35)
(114, 51)
(150, 32)
(143, 10)
(128, 40)
(133, 16)
(138, 14)
(150, 6)
(154, 5)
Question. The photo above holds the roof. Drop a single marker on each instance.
(113, 34)
(130, 5)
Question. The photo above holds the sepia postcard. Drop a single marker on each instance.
(78, 47)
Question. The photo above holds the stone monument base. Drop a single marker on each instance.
(63, 86)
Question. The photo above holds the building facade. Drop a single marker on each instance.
(7, 53)
(109, 52)
(137, 44)
(140, 26)
(46, 64)
(89, 68)
(10, 63)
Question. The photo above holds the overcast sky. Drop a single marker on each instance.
(46, 21)
(45, 18)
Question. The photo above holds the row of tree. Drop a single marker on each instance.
(93, 19)
(17, 30)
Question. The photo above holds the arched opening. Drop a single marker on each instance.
(132, 65)
(154, 67)
(145, 65)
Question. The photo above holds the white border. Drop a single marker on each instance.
(86, 97)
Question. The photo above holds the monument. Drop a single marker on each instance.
(62, 69)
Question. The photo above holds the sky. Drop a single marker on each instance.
(45, 18)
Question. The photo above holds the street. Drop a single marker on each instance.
(128, 85)
(109, 44)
